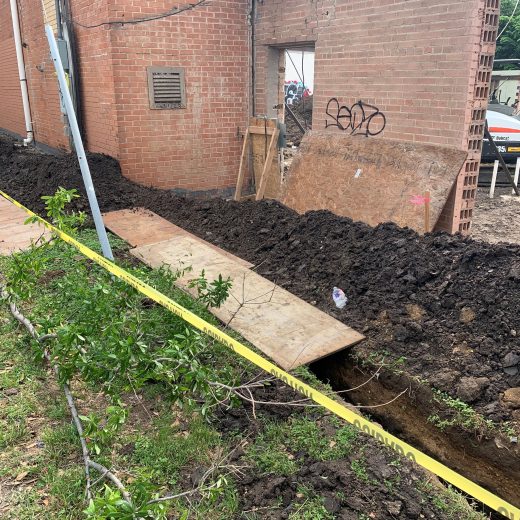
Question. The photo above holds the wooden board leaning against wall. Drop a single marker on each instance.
(261, 155)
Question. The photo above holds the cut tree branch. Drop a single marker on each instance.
(88, 462)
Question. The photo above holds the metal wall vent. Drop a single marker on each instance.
(166, 87)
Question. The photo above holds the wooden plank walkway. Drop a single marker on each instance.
(287, 329)
(14, 234)
(140, 227)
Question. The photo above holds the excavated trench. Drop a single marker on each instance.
(491, 461)
(445, 304)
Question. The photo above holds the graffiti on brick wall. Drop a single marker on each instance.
(295, 91)
(359, 119)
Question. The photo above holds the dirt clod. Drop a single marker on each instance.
(511, 363)
(470, 389)
(394, 508)
(512, 398)
(467, 315)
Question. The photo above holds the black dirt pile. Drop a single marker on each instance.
(303, 111)
(449, 306)
(27, 174)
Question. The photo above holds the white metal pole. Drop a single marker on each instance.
(21, 73)
(493, 180)
(78, 144)
(517, 173)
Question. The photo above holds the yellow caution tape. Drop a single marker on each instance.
(362, 424)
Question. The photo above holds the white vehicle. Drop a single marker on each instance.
(505, 131)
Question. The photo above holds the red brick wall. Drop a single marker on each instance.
(41, 81)
(195, 148)
(416, 60)
(41, 78)
(11, 110)
(458, 212)
(98, 98)
(95, 68)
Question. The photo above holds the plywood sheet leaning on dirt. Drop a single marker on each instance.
(14, 234)
(139, 227)
(371, 179)
(290, 331)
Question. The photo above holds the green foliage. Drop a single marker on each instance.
(55, 205)
(168, 449)
(272, 451)
(271, 459)
(111, 339)
(100, 433)
(67, 487)
(212, 294)
(60, 441)
(23, 272)
(449, 501)
(359, 468)
(26, 267)
(111, 506)
(305, 435)
(459, 414)
(508, 45)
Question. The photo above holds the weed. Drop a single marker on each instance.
(169, 449)
(212, 294)
(359, 468)
(383, 359)
(312, 507)
(448, 501)
(66, 487)
(60, 442)
(55, 209)
(98, 433)
(459, 414)
(304, 435)
(271, 459)
(111, 505)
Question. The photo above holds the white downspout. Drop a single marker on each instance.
(21, 73)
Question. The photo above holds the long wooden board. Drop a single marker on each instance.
(14, 234)
(284, 327)
(139, 227)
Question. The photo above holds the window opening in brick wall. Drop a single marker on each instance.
(166, 87)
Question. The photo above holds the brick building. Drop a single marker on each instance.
(425, 63)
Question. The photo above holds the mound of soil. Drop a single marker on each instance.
(446, 305)
(303, 111)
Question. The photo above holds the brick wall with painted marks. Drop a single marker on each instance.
(416, 63)
(420, 68)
